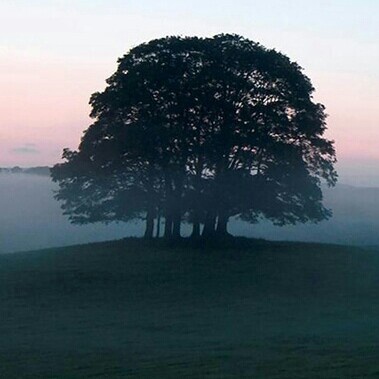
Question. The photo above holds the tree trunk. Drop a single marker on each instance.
(168, 207)
(149, 224)
(222, 225)
(209, 225)
(168, 226)
(158, 232)
(176, 224)
(177, 205)
(197, 201)
(195, 228)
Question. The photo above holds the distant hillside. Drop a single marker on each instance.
(40, 170)
(128, 309)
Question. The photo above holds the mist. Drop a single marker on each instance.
(355, 220)
(31, 219)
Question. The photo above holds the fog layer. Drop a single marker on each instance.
(30, 219)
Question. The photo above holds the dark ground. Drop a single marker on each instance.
(244, 309)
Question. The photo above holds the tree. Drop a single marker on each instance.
(201, 130)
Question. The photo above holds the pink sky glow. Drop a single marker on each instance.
(54, 57)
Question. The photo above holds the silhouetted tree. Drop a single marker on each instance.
(201, 130)
(266, 136)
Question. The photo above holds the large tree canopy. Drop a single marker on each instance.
(200, 130)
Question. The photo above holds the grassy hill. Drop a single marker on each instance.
(248, 309)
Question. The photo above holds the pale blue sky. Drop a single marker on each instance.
(54, 54)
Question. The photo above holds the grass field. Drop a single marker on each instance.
(248, 309)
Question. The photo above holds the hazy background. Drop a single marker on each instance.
(31, 219)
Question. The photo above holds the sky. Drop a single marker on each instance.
(54, 54)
